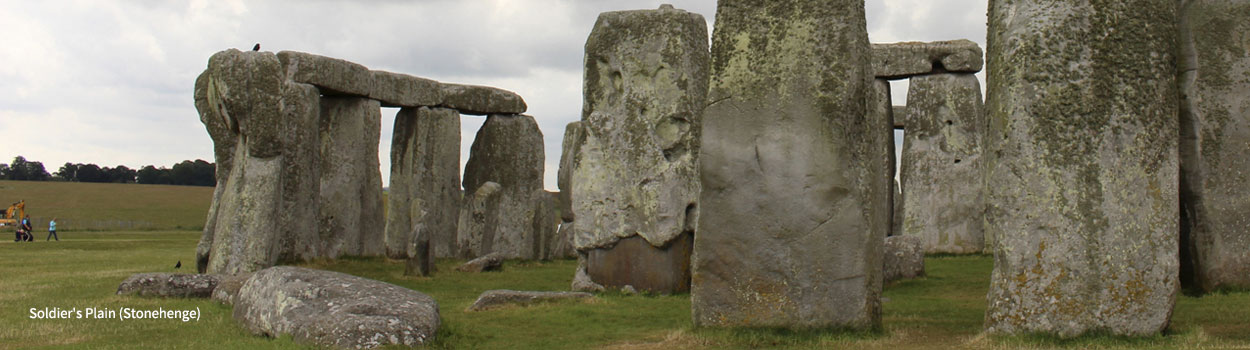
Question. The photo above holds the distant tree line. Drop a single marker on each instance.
(192, 173)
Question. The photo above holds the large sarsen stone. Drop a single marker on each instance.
(508, 150)
(1215, 129)
(795, 202)
(425, 180)
(941, 169)
(1081, 155)
(350, 216)
(636, 169)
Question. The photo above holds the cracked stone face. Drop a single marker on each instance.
(795, 201)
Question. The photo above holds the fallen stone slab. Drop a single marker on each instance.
(481, 100)
(903, 257)
(334, 309)
(332, 76)
(169, 285)
(905, 59)
(488, 262)
(494, 299)
(228, 288)
(402, 90)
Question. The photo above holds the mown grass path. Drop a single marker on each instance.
(943, 310)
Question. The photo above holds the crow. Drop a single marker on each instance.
(178, 265)
(256, 48)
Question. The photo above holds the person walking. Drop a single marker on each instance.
(52, 230)
(30, 237)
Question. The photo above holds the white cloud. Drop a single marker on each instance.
(110, 82)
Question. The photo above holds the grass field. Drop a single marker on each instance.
(98, 206)
(944, 310)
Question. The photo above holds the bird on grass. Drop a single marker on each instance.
(178, 265)
(256, 48)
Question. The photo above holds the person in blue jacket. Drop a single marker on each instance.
(52, 230)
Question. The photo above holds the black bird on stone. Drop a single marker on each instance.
(178, 265)
(256, 48)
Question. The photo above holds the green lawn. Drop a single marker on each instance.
(102, 206)
(944, 310)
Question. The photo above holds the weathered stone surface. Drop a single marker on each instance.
(494, 299)
(906, 59)
(795, 204)
(425, 180)
(169, 285)
(941, 169)
(881, 110)
(228, 288)
(265, 136)
(334, 309)
(508, 150)
(351, 217)
(574, 135)
(420, 260)
(488, 262)
(481, 100)
(1215, 129)
(402, 90)
(637, 167)
(582, 281)
(478, 222)
(636, 170)
(1081, 155)
(562, 247)
(903, 258)
(546, 221)
(634, 261)
(333, 76)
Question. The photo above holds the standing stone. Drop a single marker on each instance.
(570, 147)
(637, 165)
(351, 180)
(545, 222)
(478, 224)
(263, 128)
(941, 169)
(1081, 158)
(508, 150)
(794, 207)
(425, 180)
(881, 109)
(1215, 129)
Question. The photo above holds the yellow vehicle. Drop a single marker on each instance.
(13, 214)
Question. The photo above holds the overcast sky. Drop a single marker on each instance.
(110, 82)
